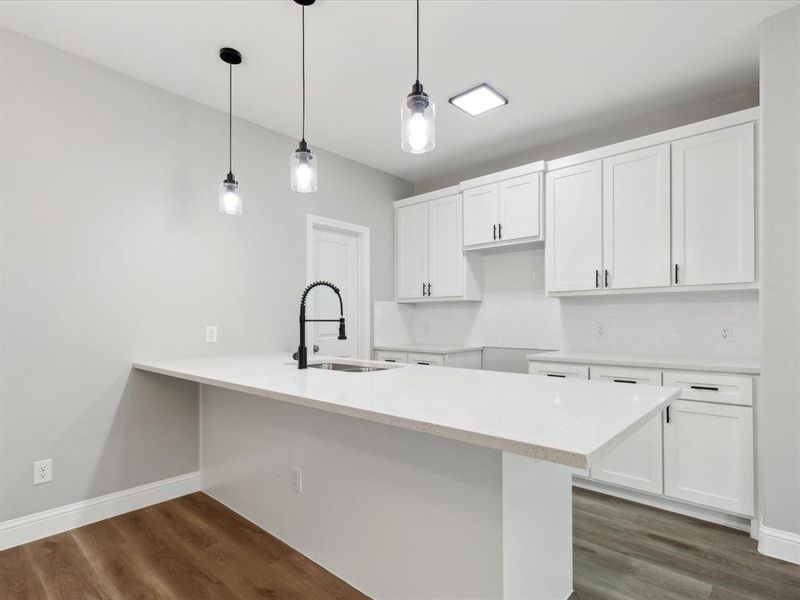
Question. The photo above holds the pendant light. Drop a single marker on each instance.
(230, 198)
(302, 162)
(417, 116)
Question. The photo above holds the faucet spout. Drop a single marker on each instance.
(302, 352)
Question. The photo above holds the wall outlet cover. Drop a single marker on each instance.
(211, 334)
(42, 471)
(297, 480)
(601, 331)
(726, 332)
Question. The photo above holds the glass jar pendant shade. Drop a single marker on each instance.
(302, 162)
(417, 116)
(303, 168)
(230, 197)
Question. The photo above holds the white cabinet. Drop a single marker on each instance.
(637, 462)
(559, 370)
(429, 250)
(671, 211)
(503, 211)
(391, 356)
(411, 244)
(445, 248)
(464, 359)
(480, 215)
(713, 207)
(423, 358)
(708, 455)
(574, 250)
(636, 219)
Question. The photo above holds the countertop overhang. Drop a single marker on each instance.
(566, 421)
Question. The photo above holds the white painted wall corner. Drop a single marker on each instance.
(57, 520)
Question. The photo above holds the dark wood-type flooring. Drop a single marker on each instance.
(194, 548)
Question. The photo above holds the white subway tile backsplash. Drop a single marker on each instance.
(515, 313)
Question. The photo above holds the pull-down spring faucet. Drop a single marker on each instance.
(302, 357)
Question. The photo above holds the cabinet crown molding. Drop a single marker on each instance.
(530, 168)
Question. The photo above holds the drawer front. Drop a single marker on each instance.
(419, 358)
(388, 356)
(710, 387)
(626, 375)
(560, 370)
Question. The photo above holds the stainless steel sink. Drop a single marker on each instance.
(348, 368)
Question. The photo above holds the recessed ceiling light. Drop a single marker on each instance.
(478, 100)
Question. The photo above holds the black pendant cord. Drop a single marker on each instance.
(303, 54)
(417, 41)
(230, 118)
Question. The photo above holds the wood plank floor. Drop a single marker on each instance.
(194, 548)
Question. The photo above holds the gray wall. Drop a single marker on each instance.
(112, 249)
(779, 397)
(606, 133)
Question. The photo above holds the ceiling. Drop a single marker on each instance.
(566, 67)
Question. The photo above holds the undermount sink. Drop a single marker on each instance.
(348, 368)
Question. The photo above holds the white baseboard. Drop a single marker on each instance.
(779, 544)
(682, 508)
(57, 520)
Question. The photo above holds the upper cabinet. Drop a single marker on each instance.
(713, 207)
(574, 250)
(670, 211)
(430, 262)
(503, 208)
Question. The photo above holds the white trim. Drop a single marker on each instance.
(670, 135)
(428, 196)
(364, 344)
(741, 523)
(530, 168)
(777, 543)
(57, 520)
(669, 289)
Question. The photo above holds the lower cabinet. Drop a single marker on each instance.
(698, 451)
(638, 461)
(708, 455)
(472, 359)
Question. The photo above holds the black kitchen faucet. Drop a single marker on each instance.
(302, 358)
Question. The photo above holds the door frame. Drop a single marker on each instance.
(364, 311)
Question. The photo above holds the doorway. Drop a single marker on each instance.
(339, 252)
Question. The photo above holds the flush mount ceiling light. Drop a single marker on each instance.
(417, 116)
(302, 162)
(478, 100)
(230, 198)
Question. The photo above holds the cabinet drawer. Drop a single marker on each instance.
(626, 375)
(558, 370)
(389, 356)
(709, 387)
(426, 359)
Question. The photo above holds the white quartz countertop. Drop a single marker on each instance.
(567, 421)
(720, 365)
(428, 349)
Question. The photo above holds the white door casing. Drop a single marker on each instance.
(339, 252)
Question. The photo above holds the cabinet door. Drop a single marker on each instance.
(636, 218)
(574, 251)
(411, 249)
(713, 209)
(480, 215)
(446, 249)
(391, 356)
(637, 462)
(708, 455)
(558, 370)
(519, 207)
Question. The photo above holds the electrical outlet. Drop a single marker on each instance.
(297, 480)
(601, 331)
(42, 471)
(725, 332)
(211, 334)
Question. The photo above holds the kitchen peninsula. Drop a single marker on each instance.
(447, 483)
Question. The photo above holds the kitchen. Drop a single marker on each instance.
(537, 321)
